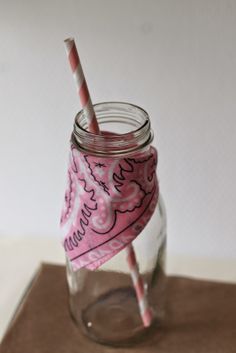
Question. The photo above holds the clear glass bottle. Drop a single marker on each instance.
(103, 302)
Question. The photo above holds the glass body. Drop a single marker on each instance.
(103, 302)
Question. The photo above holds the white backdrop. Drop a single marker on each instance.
(176, 59)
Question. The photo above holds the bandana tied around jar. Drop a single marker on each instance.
(108, 202)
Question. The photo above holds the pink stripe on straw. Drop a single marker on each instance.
(93, 127)
(73, 57)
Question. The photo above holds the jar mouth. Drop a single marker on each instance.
(125, 128)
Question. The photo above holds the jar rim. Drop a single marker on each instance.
(113, 143)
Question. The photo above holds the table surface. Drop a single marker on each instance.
(20, 257)
(200, 317)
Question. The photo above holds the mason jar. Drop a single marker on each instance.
(105, 301)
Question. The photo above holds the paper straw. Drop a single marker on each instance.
(145, 310)
(81, 85)
(93, 127)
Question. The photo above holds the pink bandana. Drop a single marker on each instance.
(108, 202)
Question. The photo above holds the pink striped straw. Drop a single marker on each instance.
(81, 85)
(83, 92)
(144, 308)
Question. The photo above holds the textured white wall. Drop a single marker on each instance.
(176, 59)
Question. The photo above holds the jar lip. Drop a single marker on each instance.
(125, 104)
(112, 143)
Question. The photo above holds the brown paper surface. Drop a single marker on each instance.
(201, 318)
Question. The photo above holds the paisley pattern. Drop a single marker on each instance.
(108, 202)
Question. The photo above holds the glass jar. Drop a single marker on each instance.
(104, 302)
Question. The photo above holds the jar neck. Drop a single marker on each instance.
(125, 128)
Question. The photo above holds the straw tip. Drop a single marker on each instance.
(68, 40)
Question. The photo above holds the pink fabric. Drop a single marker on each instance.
(108, 202)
